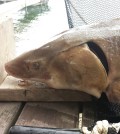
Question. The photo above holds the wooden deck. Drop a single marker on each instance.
(64, 115)
(27, 106)
(52, 117)
(11, 91)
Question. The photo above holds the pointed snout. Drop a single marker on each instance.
(8, 67)
(14, 69)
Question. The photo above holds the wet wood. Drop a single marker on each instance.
(10, 91)
(8, 115)
(52, 115)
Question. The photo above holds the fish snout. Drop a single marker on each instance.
(14, 69)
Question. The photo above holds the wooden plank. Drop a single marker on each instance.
(7, 48)
(53, 115)
(8, 115)
(10, 91)
(8, 111)
(89, 114)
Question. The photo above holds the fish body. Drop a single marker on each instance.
(85, 58)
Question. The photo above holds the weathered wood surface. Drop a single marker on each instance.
(88, 114)
(10, 91)
(8, 111)
(7, 45)
(52, 115)
(8, 114)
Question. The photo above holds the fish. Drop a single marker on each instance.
(84, 58)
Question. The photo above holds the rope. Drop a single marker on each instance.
(103, 127)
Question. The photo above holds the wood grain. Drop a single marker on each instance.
(10, 91)
(8, 114)
(7, 45)
(8, 111)
(53, 115)
(88, 114)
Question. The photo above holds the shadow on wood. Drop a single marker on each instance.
(50, 115)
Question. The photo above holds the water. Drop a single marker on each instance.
(28, 15)
(36, 24)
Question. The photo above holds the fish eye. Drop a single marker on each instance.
(36, 65)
